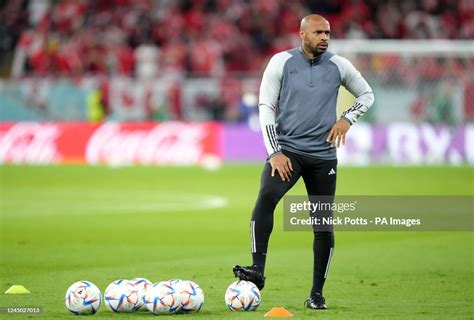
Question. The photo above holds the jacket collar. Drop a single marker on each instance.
(315, 60)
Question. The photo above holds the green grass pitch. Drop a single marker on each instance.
(61, 224)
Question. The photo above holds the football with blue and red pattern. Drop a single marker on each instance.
(83, 297)
(122, 296)
(242, 296)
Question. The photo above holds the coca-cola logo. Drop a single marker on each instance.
(30, 143)
(167, 143)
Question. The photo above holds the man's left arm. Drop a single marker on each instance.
(353, 81)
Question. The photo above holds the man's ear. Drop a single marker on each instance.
(301, 34)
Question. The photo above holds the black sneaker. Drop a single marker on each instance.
(250, 273)
(316, 301)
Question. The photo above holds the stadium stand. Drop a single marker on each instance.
(188, 45)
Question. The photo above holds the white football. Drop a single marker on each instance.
(242, 296)
(83, 297)
(162, 298)
(122, 296)
(142, 285)
(191, 296)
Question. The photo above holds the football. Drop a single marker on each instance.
(83, 297)
(122, 296)
(142, 285)
(162, 298)
(191, 296)
(242, 296)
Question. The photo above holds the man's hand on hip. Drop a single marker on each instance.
(282, 164)
(337, 135)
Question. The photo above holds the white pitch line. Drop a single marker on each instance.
(140, 202)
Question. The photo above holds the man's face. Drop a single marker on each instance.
(315, 37)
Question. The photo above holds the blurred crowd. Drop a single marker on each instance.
(146, 38)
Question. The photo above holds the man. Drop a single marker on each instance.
(297, 106)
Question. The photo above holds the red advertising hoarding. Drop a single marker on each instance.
(168, 143)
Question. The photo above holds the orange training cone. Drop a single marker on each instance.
(278, 312)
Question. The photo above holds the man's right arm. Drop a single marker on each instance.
(268, 102)
(268, 105)
(268, 125)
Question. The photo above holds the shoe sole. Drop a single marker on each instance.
(238, 272)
